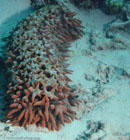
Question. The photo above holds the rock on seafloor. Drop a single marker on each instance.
(41, 3)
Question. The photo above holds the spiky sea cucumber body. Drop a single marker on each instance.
(37, 53)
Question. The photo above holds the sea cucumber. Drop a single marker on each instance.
(37, 53)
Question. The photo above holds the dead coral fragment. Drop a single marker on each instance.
(38, 90)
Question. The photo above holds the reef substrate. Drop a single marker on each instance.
(37, 52)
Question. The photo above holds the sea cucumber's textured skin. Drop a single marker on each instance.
(37, 52)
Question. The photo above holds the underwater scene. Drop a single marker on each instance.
(64, 69)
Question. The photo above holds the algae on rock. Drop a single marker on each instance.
(112, 6)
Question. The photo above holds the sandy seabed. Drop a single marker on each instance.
(101, 76)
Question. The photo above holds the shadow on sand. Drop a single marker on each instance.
(5, 28)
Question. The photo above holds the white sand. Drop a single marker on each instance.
(114, 107)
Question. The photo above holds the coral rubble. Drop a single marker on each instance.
(95, 130)
(39, 92)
